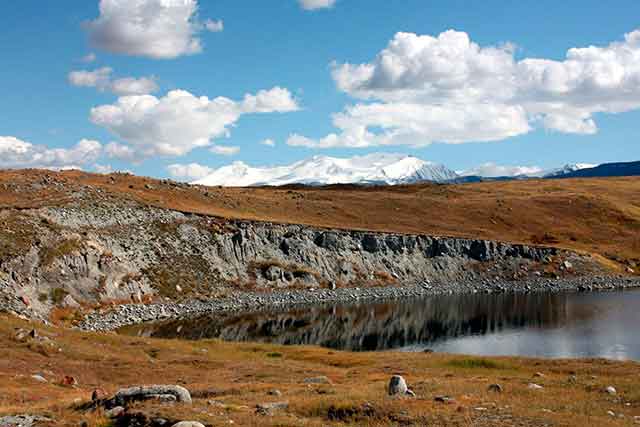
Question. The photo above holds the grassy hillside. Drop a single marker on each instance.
(228, 380)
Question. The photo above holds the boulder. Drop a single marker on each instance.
(114, 412)
(496, 388)
(161, 392)
(397, 386)
(273, 273)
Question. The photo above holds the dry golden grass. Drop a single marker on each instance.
(228, 380)
(600, 216)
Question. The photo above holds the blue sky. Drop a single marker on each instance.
(278, 43)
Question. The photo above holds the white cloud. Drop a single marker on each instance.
(492, 170)
(224, 150)
(316, 4)
(268, 142)
(266, 101)
(180, 122)
(422, 89)
(190, 172)
(159, 29)
(214, 26)
(16, 153)
(101, 80)
(418, 125)
(90, 57)
(133, 86)
(103, 169)
(113, 150)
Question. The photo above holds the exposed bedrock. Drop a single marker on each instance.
(103, 253)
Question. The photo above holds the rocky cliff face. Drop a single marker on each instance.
(106, 252)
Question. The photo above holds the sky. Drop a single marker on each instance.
(177, 88)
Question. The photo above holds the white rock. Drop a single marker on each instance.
(188, 424)
(611, 390)
(533, 386)
(397, 386)
(39, 378)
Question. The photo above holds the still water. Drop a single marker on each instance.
(571, 325)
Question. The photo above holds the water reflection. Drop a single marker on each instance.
(553, 325)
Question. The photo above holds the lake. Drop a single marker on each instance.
(566, 325)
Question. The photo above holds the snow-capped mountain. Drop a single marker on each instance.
(567, 169)
(391, 169)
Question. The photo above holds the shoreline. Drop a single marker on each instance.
(129, 315)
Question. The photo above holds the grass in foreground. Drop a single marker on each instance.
(228, 380)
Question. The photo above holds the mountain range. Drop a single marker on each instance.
(391, 169)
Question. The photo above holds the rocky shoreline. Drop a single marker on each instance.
(127, 315)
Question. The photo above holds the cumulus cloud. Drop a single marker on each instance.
(492, 170)
(422, 89)
(316, 4)
(113, 150)
(16, 153)
(180, 122)
(189, 172)
(268, 142)
(159, 29)
(101, 79)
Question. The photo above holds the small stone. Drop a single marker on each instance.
(317, 380)
(277, 393)
(611, 413)
(445, 399)
(611, 390)
(69, 381)
(397, 386)
(538, 375)
(98, 394)
(39, 378)
(533, 386)
(269, 408)
(115, 412)
(188, 424)
(496, 388)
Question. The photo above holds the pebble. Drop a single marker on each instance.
(533, 386)
(39, 378)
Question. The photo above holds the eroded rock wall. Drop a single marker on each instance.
(102, 253)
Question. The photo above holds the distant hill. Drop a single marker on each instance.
(604, 170)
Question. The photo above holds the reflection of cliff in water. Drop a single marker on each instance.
(370, 327)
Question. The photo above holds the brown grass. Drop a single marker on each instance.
(238, 377)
